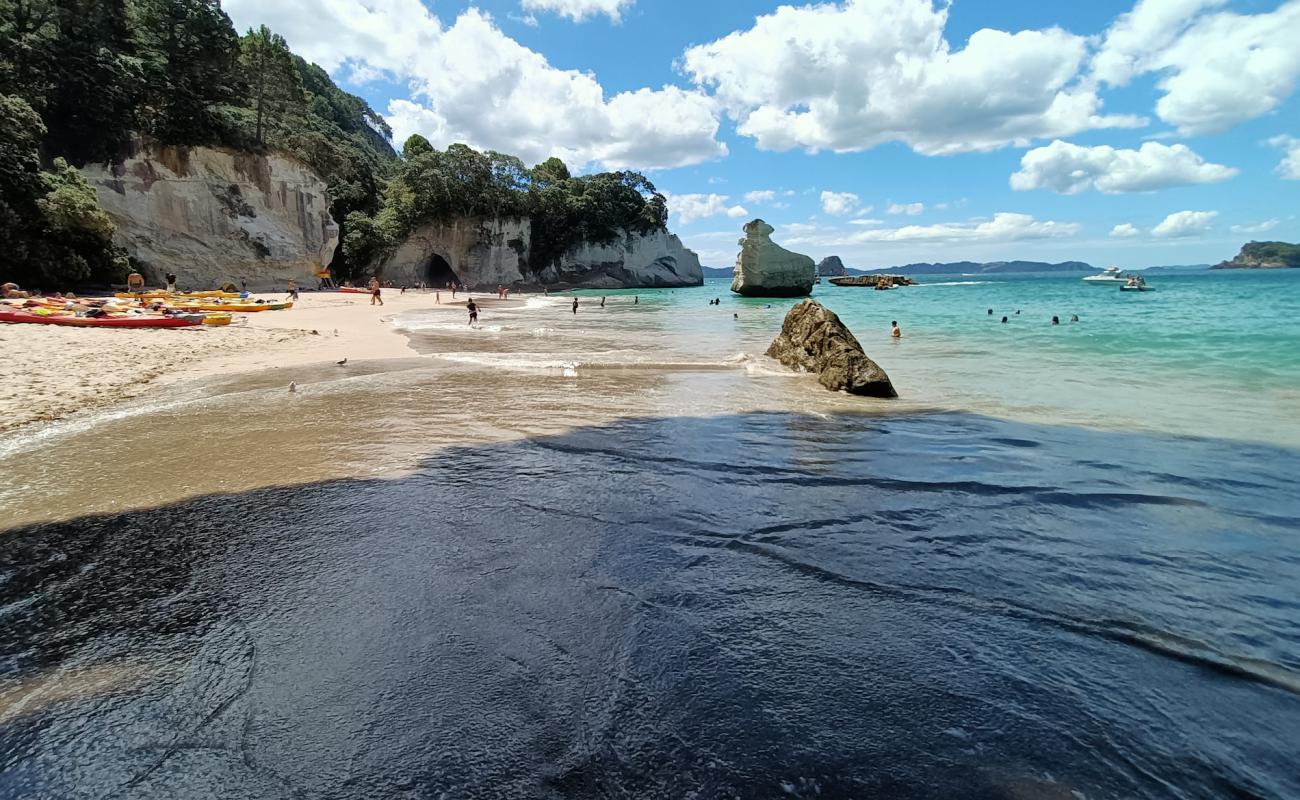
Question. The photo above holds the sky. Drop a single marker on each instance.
(886, 132)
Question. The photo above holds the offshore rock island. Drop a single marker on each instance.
(1264, 255)
(765, 269)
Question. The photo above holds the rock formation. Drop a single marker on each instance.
(483, 254)
(213, 215)
(813, 339)
(875, 281)
(831, 267)
(765, 269)
(1264, 255)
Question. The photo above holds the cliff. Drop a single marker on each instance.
(1264, 255)
(831, 267)
(213, 215)
(766, 269)
(483, 254)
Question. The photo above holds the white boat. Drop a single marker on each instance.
(1108, 275)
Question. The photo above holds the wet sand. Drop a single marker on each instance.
(51, 373)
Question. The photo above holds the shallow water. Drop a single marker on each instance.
(735, 606)
(622, 554)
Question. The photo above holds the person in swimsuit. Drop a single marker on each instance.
(375, 296)
(171, 281)
(473, 312)
(135, 282)
(895, 331)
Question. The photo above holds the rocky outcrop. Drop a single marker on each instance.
(1264, 255)
(484, 254)
(765, 269)
(214, 215)
(831, 267)
(814, 340)
(877, 281)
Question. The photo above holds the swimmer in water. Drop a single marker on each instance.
(990, 312)
(1056, 320)
(896, 332)
(1074, 317)
(1004, 320)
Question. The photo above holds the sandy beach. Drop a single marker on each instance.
(53, 372)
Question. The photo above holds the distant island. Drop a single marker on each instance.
(953, 268)
(1264, 255)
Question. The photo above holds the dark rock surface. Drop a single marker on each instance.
(831, 267)
(813, 339)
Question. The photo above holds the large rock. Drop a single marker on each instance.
(765, 269)
(483, 254)
(814, 340)
(831, 267)
(213, 215)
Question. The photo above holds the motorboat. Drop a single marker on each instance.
(1110, 275)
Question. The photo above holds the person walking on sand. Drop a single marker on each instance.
(636, 300)
(473, 312)
(602, 302)
(135, 282)
(896, 331)
(437, 297)
(375, 292)
(293, 291)
(575, 305)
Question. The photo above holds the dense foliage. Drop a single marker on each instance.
(460, 182)
(80, 78)
(96, 72)
(1259, 253)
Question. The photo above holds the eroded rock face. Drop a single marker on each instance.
(813, 339)
(214, 215)
(831, 267)
(484, 254)
(765, 269)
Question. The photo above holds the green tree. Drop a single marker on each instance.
(188, 52)
(416, 145)
(270, 75)
(551, 171)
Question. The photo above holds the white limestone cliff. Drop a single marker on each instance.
(483, 254)
(214, 215)
(765, 269)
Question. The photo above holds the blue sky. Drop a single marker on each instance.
(883, 131)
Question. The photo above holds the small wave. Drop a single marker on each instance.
(420, 326)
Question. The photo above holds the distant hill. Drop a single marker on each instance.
(1264, 255)
(719, 272)
(977, 268)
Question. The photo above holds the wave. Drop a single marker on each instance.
(570, 364)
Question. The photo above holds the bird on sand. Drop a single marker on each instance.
(344, 361)
(293, 386)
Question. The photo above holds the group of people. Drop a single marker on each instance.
(1056, 320)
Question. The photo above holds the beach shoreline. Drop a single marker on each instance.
(52, 373)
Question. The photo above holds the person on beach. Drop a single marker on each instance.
(403, 291)
(171, 281)
(293, 291)
(437, 297)
(473, 312)
(602, 302)
(895, 331)
(636, 300)
(135, 282)
(575, 305)
(375, 292)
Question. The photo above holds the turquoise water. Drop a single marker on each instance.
(1208, 352)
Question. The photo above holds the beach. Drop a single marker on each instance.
(52, 372)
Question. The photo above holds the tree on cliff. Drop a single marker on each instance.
(188, 53)
(269, 72)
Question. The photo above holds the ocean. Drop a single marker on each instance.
(619, 553)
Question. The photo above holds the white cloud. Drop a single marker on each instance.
(1003, 227)
(839, 204)
(1182, 224)
(866, 221)
(1217, 69)
(471, 83)
(692, 207)
(852, 75)
(1125, 230)
(1289, 167)
(1071, 169)
(1258, 227)
(910, 209)
(760, 196)
(578, 10)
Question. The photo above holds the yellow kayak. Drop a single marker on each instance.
(162, 294)
(243, 308)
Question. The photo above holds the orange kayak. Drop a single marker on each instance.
(136, 321)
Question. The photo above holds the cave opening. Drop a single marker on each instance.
(438, 273)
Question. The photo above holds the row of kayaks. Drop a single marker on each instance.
(126, 320)
(207, 301)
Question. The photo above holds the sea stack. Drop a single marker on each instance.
(765, 269)
(813, 339)
(831, 267)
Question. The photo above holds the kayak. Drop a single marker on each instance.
(162, 294)
(351, 290)
(138, 321)
(240, 307)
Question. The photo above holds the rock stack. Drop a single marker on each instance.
(765, 269)
(814, 340)
(831, 267)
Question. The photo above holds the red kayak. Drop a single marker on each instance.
(351, 290)
(100, 322)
